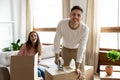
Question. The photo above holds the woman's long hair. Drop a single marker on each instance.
(37, 44)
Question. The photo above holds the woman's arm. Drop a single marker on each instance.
(21, 52)
(39, 59)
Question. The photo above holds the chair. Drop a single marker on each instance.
(4, 73)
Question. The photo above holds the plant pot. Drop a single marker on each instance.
(109, 69)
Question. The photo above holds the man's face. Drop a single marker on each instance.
(76, 16)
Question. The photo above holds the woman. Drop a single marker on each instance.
(31, 47)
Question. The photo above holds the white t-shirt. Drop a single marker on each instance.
(72, 38)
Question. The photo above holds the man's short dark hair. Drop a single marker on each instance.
(77, 7)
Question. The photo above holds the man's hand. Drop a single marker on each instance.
(56, 61)
(80, 75)
(78, 71)
(56, 58)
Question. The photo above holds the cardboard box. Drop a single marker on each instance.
(24, 67)
(55, 74)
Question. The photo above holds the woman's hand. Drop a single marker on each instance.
(39, 60)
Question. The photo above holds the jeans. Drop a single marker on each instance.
(41, 73)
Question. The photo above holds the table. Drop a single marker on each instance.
(103, 60)
(55, 74)
(115, 75)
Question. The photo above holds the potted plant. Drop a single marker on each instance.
(14, 46)
(112, 55)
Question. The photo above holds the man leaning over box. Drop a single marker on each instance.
(74, 34)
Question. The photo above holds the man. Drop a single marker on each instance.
(74, 34)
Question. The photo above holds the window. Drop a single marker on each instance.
(109, 21)
(47, 14)
(6, 24)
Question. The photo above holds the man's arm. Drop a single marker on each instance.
(77, 65)
(82, 46)
(57, 39)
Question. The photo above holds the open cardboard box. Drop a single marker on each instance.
(24, 67)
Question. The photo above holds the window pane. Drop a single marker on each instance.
(119, 41)
(5, 35)
(108, 40)
(5, 8)
(46, 37)
(47, 13)
(6, 25)
(108, 16)
(108, 13)
(119, 13)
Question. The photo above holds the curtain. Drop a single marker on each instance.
(66, 8)
(18, 16)
(22, 21)
(29, 17)
(93, 40)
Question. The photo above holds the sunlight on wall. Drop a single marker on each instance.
(47, 14)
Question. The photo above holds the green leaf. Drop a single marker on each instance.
(18, 41)
(6, 49)
(15, 46)
(113, 55)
